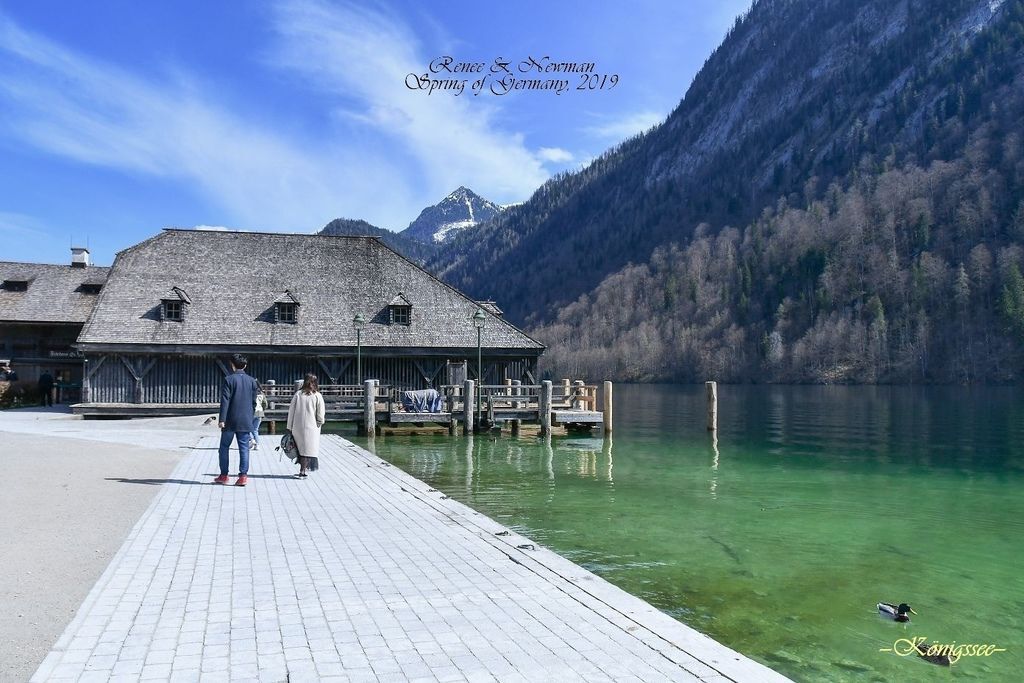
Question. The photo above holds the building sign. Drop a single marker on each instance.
(65, 354)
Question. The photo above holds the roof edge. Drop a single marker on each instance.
(457, 291)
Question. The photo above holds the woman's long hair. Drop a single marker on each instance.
(310, 385)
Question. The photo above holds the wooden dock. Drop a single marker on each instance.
(373, 406)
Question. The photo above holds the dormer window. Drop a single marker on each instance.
(90, 288)
(172, 305)
(401, 315)
(286, 313)
(16, 285)
(286, 309)
(173, 310)
(400, 311)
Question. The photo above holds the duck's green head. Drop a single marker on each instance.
(904, 608)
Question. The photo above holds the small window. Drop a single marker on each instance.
(286, 313)
(90, 288)
(401, 315)
(173, 310)
(16, 285)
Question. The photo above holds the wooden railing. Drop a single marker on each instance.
(574, 395)
(339, 399)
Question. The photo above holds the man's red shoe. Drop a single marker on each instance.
(222, 479)
(242, 480)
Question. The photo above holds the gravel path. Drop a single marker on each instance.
(66, 506)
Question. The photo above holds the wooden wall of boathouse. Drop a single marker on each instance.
(195, 379)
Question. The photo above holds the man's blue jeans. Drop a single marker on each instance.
(243, 439)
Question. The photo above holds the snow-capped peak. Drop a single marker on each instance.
(460, 210)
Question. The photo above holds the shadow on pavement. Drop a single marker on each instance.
(152, 482)
(258, 476)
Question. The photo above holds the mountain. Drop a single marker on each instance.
(839, 197)
(411, 249)
(462, 209)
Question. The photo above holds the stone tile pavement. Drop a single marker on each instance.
(358, 573)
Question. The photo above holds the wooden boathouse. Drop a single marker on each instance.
(43, 308)
(176, 306)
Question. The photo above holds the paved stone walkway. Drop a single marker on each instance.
(360, 573)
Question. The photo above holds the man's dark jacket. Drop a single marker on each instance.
(238, 402)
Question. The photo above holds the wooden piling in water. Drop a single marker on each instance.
(545, 407)
(516, 391)
(452, 426)
(370, 408)
(468, 406)
(711, 390)
(606, 409)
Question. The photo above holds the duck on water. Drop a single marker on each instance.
(895, 612)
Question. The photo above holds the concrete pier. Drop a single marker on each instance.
(359, 572)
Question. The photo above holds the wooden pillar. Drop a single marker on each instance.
(273, 426)
(468, 405)
(566, 389)
(271, 387)
(516, 391)
(711, 389)
(578, 392)
(370, 408)
(545, 407)
(449, 397)
(607, 407)
(86, 382)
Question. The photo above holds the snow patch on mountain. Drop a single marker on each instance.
(448, 229)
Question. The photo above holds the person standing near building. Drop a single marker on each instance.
(306, 416)
(46, 388)
(261, 405)
(7, 373)
(237, 410)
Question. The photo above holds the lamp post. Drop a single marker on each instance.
(478, 321)
(358, 322)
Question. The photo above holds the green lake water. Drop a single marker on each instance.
(815, 504)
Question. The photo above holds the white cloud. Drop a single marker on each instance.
(362, 57)
(626, 126)
(69, 105)
(417, 146)
(20, 226)
(555, 155)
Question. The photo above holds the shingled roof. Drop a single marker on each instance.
(54, 293)
(234, 279)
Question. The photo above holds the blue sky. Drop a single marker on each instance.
(120, 118)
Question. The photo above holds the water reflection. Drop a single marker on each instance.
(714, 463)
(850, 494)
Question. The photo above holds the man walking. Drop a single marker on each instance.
(237, 408)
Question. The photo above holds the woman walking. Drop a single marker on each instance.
(261, 405)
(305, 417)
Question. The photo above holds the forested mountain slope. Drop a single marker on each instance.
(837, 198)
(407, 247)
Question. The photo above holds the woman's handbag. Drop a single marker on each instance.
(288, 446)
